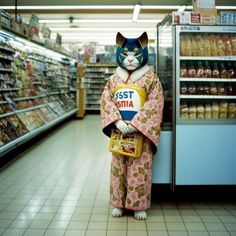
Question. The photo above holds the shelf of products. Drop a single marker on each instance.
(206, 75)
(95, 78)
(34, 90)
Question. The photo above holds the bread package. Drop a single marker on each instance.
(200, 111)
(223, 110)
(232, 110)
(215, 110)
(192, 111)
(208, 111)
(184, 111)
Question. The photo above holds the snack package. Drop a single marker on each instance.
(200, 111)
(18, 124)
(128, 145)
(208, 111)
(220, 46)
(232, 110)
(215, 110)
(184, 111)
(192, 111)
(223, 109)
(213, 44)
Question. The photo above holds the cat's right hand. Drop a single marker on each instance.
(122, 126)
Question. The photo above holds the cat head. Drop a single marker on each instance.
(131, 54)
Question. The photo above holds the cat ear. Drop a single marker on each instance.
(120, 39)
(143, 40)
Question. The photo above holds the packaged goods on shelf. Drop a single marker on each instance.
(33, 80)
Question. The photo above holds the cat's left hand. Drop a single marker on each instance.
(131, 129)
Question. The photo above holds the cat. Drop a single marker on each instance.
(131, 54)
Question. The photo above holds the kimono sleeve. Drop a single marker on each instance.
(148, 119)
(109, 111)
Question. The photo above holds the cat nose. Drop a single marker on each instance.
(130, 60)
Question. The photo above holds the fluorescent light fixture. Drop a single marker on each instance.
(100, 29)
(106, 7)
(75, 7)
(136, 12)
(86, 21)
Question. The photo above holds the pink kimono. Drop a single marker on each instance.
(131, 178)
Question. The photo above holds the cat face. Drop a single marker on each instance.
(131, 54)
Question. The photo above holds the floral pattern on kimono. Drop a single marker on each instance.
(131, 177)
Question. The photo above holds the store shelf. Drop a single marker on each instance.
(35, 132)
(206, 97)
(215, 58)
(195, 79)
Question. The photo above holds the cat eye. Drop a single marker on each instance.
(136, 50)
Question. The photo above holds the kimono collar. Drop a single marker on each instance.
(123, 74)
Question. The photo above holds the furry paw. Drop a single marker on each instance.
(140, 215)
(117, 212)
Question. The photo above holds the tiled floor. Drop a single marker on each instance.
(61, 186)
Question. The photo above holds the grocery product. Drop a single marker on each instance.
(200, 111)
(208, 111)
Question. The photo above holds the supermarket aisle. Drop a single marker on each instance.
(61, 187)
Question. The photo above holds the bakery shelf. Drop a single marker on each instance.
(33, 133)
(194, 79)
(214, 58)
(206, 97)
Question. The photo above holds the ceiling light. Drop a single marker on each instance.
(100, 29)
(86, 21)
(136, 12)
(76, 7)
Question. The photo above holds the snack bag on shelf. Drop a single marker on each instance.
(233, 44)
(223, 110)
(194, 45)
(213, 43)
(207, 45)
(228, 46)
(220, 46)
(200, 45)
(200, 111)
(208, 111)
(215, 110)
(232, 110)
(192, 111)
(184, 111)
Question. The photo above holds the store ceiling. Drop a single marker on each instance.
(84, 25)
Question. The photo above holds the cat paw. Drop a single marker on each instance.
(117, 212)
(140, 215)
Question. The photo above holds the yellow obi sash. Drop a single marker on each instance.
(129, 99)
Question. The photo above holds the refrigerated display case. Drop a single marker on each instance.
(204, 105)
(162, 164)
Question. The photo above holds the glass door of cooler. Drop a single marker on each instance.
(205, 107)
(162, 165)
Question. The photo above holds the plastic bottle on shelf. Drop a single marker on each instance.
(183, 69)
(212, 38)
(191, 70)
(223, 71)
(230, 70)
(207, 70)
(215, 71)
(199, 70)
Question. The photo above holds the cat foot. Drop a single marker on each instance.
(140, 215)
(117, 212)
